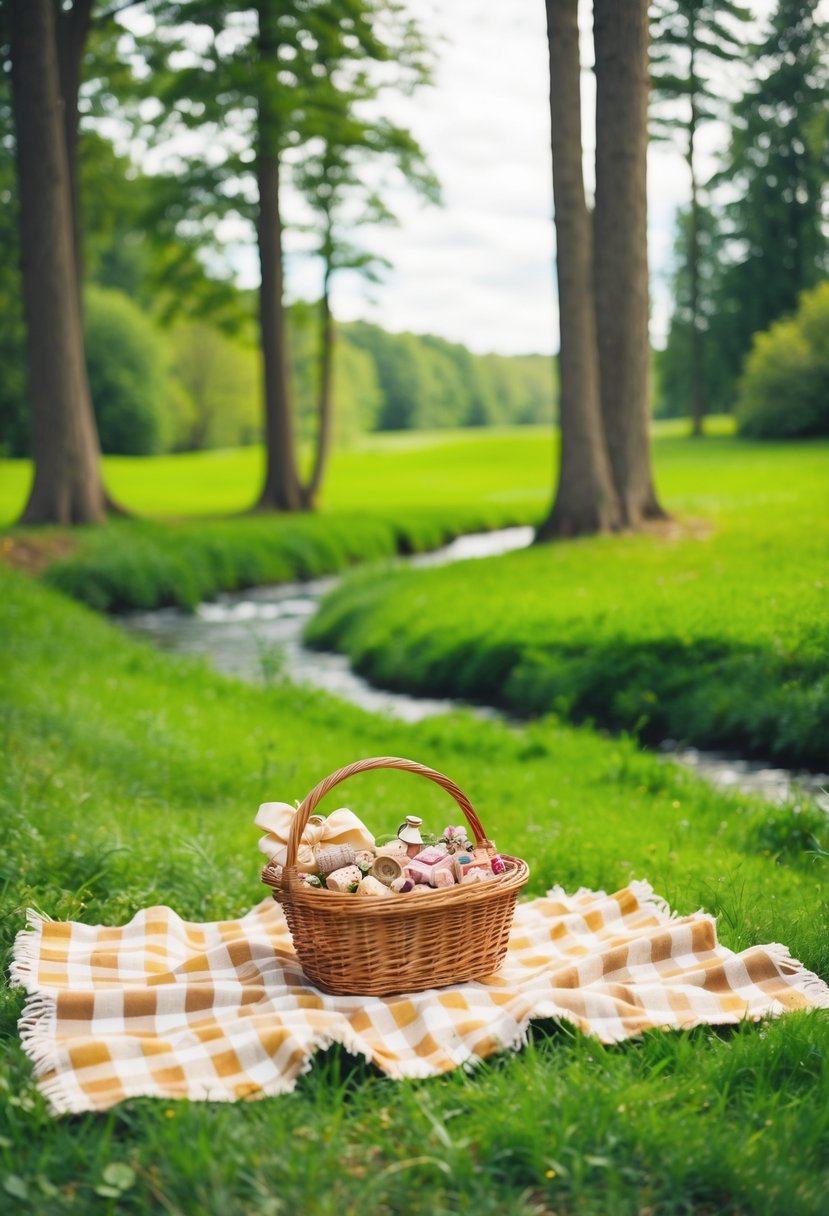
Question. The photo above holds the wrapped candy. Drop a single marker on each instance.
(428, 863)
(334, 857)
(465, 862)
(371, 886)
(341, 880)
(476, 874)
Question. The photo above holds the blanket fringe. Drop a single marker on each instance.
(38, 1021)
(795, 974)
(648, 898)
(26, 950)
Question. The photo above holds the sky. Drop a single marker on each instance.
(480, 268)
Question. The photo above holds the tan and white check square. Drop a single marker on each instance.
(163, 1008)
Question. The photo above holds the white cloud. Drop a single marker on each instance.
(480, 270)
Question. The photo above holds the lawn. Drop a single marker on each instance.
(132, 778)
(713, 629)
(406, 469)
(387, 471)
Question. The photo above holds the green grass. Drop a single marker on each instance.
(405, 469)
(716, 633)
(135, 564)
(131, 778)
(401, 469)
(394, 493)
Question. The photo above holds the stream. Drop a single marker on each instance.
(256, 635)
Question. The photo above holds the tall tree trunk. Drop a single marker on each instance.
(324, 413)
(72, 31)
(67, 486)
(697, 355)
(621, 264)
(281, 490)
(585, 500)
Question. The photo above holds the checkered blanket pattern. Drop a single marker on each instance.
(222, 1011)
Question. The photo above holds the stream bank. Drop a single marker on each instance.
(256, 635)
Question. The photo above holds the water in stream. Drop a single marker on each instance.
(256, 635)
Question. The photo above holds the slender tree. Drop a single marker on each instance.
(586, 500)
(67, 486)
(690, 38)
(332, 178)
(620, 33)
(777, 170)
(256, 88)
(281, 490)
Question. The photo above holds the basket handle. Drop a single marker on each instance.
(311, 801)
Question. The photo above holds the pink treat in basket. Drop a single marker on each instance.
(476, 874)
(432, 854)
(428, 864)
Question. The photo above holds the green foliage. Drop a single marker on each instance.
(675, 363)
(136, 405)
(776, 172)
(141, 565)
(690, 40)
(130, 778)
(221, 377)
(784, 390)
(762, 237)
(428, 382)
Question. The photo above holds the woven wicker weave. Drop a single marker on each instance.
(375, 946)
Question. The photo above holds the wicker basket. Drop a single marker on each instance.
(376, 946)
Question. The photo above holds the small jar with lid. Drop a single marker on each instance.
(409, 833)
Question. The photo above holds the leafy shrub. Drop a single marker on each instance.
(784, 390)
(128, 376)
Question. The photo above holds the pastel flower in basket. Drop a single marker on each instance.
(456, 839)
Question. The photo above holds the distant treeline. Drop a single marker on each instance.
(187, 385)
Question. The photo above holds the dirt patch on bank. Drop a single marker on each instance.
(32, 554)
(678, 528)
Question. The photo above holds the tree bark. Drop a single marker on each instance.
(698, 403)
(72, 30)
(620, 33)
(585, 500)
(281, 490)
(67, 486)
(324, 413)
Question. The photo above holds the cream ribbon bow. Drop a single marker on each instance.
(341, 827)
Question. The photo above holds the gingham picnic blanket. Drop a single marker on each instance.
(222, 1011)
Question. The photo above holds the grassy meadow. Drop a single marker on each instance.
(385, 472)
(132, 778)
(713, 630)
(380, 472)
